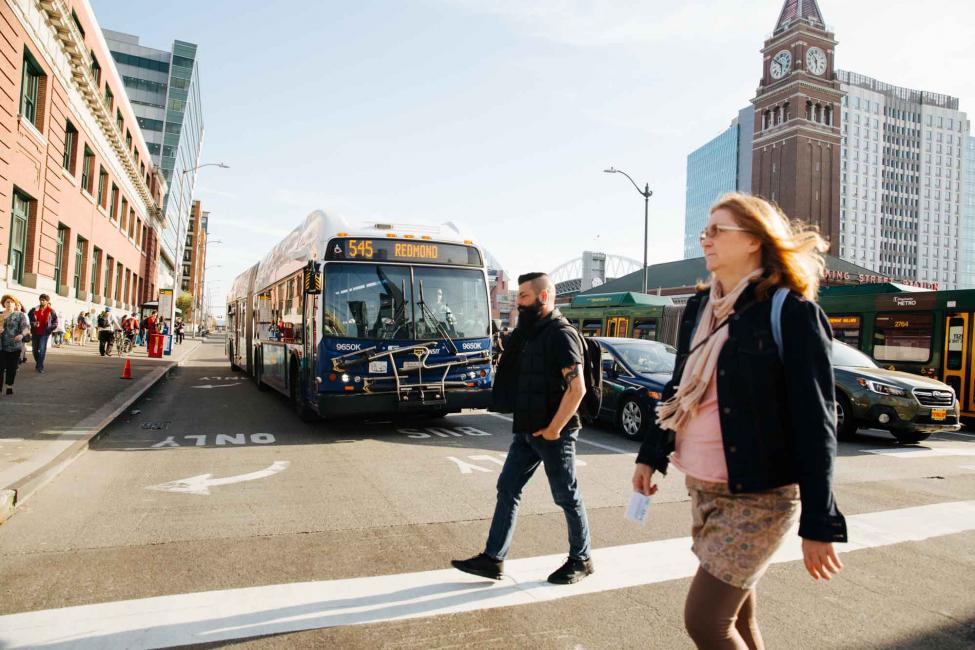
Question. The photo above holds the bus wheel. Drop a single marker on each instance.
(846, 425)
(305, 413)
(259, 372)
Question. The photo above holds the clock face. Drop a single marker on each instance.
(816, 60)
(781, 64)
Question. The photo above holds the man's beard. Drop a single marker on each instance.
(528, 315)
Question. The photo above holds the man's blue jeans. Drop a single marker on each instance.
(524, 456)
(39, 347)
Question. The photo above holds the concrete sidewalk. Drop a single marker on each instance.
(51, 417)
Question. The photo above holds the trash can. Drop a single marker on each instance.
(156, 343)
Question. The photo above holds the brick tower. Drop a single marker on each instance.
(796, 149)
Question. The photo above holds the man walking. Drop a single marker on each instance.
(107, 324)
(43, 321)
(543, 384)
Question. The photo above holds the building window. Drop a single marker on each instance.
(107, 287)
(79, 263)
(18, 236)
(96, 70)
(30, 90)
(59, 257)
(118, 281)
(124, 215)
(87, 167)
(102, 186)
(77, 23)
(113, 211)
(70, 147)
(128, 145)
(131, 223)
(96, 258)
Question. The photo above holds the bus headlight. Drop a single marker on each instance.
(345, 379)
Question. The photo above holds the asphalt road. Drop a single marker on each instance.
(208, 485)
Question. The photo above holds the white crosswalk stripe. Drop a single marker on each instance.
(274, 609)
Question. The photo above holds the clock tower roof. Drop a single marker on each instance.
(794, 11)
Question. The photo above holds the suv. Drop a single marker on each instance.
(910, 406)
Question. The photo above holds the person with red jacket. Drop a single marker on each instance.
(43, 321)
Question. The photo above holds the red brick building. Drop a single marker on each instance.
(79, 197)
(195, 258)
(796, 148)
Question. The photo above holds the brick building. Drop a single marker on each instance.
(79, 196)
(194, 258)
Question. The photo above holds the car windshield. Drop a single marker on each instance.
(647, 357)
(380, 301)
(849, 357)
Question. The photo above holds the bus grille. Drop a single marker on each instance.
(932, 397)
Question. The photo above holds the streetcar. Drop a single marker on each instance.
(625, 314)
(366, 319)
(930, 333)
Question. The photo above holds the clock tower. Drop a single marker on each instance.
(796, 148)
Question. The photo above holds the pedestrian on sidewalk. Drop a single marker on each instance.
(43, 322)
(58, 334)
(542, 384)
(92, 322)
(81, 328)
(14, 326)
(143, 332)
(765, 457)
(131, 327)
(179, 330)
(107, 324)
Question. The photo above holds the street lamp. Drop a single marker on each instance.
(646, 193)
(219, 164)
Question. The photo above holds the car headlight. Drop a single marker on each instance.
(883, 389)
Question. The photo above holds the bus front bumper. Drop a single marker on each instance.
(345, 405)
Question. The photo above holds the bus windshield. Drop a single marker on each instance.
(381, 302)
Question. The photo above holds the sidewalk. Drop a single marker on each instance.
(51, 417)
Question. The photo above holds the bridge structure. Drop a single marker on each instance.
(589, 270)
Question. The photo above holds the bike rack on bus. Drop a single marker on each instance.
(415, 393)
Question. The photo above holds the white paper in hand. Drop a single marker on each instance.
(638, 508)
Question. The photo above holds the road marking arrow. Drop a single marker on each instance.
(201, 484)
(217, 385)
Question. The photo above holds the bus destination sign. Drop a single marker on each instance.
(399, 250)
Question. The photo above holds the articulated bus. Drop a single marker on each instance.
(925, 332)
(366, 319)
(626, 315)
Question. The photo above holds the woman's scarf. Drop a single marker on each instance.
(699, 367)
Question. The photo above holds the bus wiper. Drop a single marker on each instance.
(426, 311)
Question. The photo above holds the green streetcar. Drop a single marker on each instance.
(625, 315)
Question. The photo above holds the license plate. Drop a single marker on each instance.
(938, 414)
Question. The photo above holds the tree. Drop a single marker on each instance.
(185, 304)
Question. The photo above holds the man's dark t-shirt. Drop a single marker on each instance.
(551, 347)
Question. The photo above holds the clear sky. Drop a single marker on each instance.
(499, 115)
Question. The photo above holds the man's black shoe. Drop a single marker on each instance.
(571, 572)
(480, 565)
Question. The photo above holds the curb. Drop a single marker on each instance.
(13, 495)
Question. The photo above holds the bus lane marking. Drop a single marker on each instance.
(217, 385)
(201, 484)
(220, 440)
(247, 612)
(442, 432)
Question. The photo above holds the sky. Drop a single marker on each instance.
(497, 115)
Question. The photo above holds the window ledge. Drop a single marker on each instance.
(33, 130)
(88, 196)
(71, 177)
(102, 210)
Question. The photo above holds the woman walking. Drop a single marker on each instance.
(752, 428)
(13, 327)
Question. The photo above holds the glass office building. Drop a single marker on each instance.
(164, 90)
(966, 271)
(722, 165)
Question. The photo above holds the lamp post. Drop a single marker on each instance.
(646, 193)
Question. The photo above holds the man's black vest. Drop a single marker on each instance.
(540, 385)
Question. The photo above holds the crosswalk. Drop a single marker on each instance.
(274, 609)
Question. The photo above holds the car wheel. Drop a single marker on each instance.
(846, 425)
(632, 419)
(910, 437)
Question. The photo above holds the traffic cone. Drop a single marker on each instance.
(127, 370)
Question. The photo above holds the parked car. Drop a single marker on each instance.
(634, 374)
(910, 406)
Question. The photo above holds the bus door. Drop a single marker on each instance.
(956, 371)
(312, 289)
(617, 326)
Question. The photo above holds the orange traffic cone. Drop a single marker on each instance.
(127, 370)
